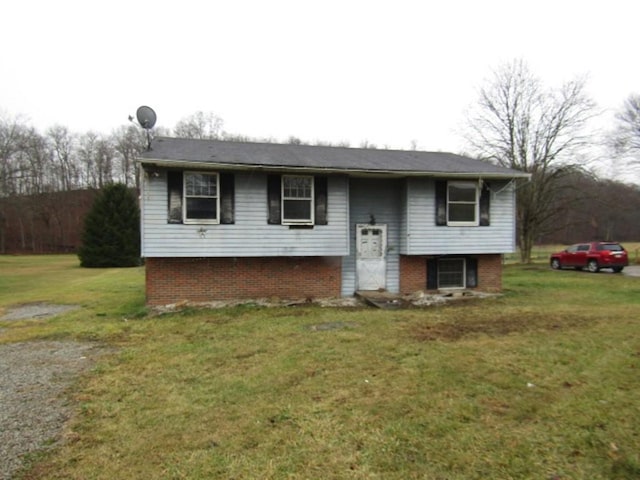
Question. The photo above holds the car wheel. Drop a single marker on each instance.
(592, 266)
(617, 269)
(555, 264)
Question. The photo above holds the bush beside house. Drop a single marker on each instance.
(111, 236)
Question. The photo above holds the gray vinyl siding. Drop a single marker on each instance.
(381, 198)
(423, 237)
(404, 217)
(250, 235)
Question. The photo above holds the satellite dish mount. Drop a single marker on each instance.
(147, 119)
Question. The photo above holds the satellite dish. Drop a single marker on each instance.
(146, 117)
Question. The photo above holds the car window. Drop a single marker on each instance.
(572, 248)
(583, 248)
(612, 247)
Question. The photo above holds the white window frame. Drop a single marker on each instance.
(476, 211)
(464, 273)
(186, 196)
(310, 199)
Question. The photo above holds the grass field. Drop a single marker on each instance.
(541, 383)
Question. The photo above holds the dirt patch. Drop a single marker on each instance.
(320, 327)
(496, 326)
(29, 311)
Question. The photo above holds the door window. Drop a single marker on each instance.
(371, 243)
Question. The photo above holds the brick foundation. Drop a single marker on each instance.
(172, 280)
(490, 273)
(413, 273)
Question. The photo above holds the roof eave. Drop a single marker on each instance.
(347, 171)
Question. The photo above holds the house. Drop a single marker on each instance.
(230, 220)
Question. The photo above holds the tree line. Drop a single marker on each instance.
(586, 208)
(34, 163)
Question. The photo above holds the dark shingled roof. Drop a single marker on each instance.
(175, 151)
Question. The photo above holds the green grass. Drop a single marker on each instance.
(539, 383)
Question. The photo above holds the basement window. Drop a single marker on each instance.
(451, 273)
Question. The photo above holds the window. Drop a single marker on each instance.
(201, 200)
(452, 272)
(200, 197)
(462, 203)
(611, 247)
(297, 199)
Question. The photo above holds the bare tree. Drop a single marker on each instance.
(128, 142)
(199, 125)
(519, 124)
(38, 177)
(626, 137)
(87, 147)
(104, 157)
(96, 156)
(63, 156)
(13, 131)
(12, 166)
(368, 144)
(25, 174)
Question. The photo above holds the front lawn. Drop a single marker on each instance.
(540, 383)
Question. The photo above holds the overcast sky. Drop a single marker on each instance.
(388, 72)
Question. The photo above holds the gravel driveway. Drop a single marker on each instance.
(34, 378)
(632, 270)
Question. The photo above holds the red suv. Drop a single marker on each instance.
(593, 256)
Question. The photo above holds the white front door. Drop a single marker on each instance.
(371, 249)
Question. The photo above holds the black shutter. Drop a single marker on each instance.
(320, 200)
(441, 202)
(227, 198)
(274, 183)
(432, 274)
(485, 203)
(174, 196)
(472, 272)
